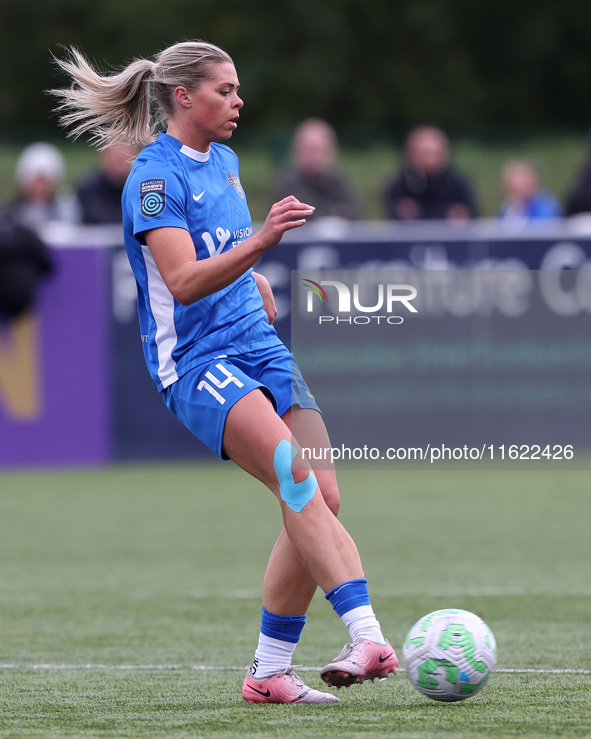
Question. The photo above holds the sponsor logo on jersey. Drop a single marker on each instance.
(234, 180)
(153, 197)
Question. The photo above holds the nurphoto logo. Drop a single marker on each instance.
(384, 299)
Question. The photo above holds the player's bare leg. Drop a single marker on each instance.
(288, 587)
(312, 534)
(252, 436)
(303, 556)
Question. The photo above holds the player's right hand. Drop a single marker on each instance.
(285, 215)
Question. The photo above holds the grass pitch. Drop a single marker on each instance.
(129, 601)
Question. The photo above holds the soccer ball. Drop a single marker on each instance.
(449, 655)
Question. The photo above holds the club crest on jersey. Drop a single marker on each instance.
(234, 180)
(153, 197)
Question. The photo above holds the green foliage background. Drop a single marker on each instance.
(504, 79)
(371, 68)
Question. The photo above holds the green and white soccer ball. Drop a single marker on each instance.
(449, 655)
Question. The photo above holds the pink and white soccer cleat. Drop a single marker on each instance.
(363, 660)
(284, 687)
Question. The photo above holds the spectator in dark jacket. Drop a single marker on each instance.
(100, 194)
(312, 175)
(578, 198)
(428, 187)
(25, 261)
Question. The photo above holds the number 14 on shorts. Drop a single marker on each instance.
(220, 384)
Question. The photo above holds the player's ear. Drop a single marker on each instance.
(182, 96)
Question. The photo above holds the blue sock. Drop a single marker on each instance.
(351, 601)
(285, 628)
(349, 595)
(277, 642)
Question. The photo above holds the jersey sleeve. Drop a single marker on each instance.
(156, 198)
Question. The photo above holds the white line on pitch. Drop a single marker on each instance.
(494, 591)
(241, 668)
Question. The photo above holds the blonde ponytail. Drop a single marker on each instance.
(118, 108)
(114, 109)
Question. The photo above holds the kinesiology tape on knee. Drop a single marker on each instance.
(293, 494)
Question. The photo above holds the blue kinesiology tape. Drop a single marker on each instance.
(293, 494)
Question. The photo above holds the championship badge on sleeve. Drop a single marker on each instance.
(153, 197)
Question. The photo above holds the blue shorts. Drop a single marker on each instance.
(202, 397)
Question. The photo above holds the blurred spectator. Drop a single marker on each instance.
(24, 262)
(312, 175)
(524, 200)
(578, 199)
(428, 187)
(40, 172)
(99, 195)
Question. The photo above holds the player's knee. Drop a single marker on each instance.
(296, 488)
(300, 475)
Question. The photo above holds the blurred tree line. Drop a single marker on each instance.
(368, 66)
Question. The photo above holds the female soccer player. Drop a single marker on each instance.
(205, 320)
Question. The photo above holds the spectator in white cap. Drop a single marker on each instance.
(39, 175)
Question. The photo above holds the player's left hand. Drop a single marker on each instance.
(267, 296)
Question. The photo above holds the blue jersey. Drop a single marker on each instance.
(173, 185)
